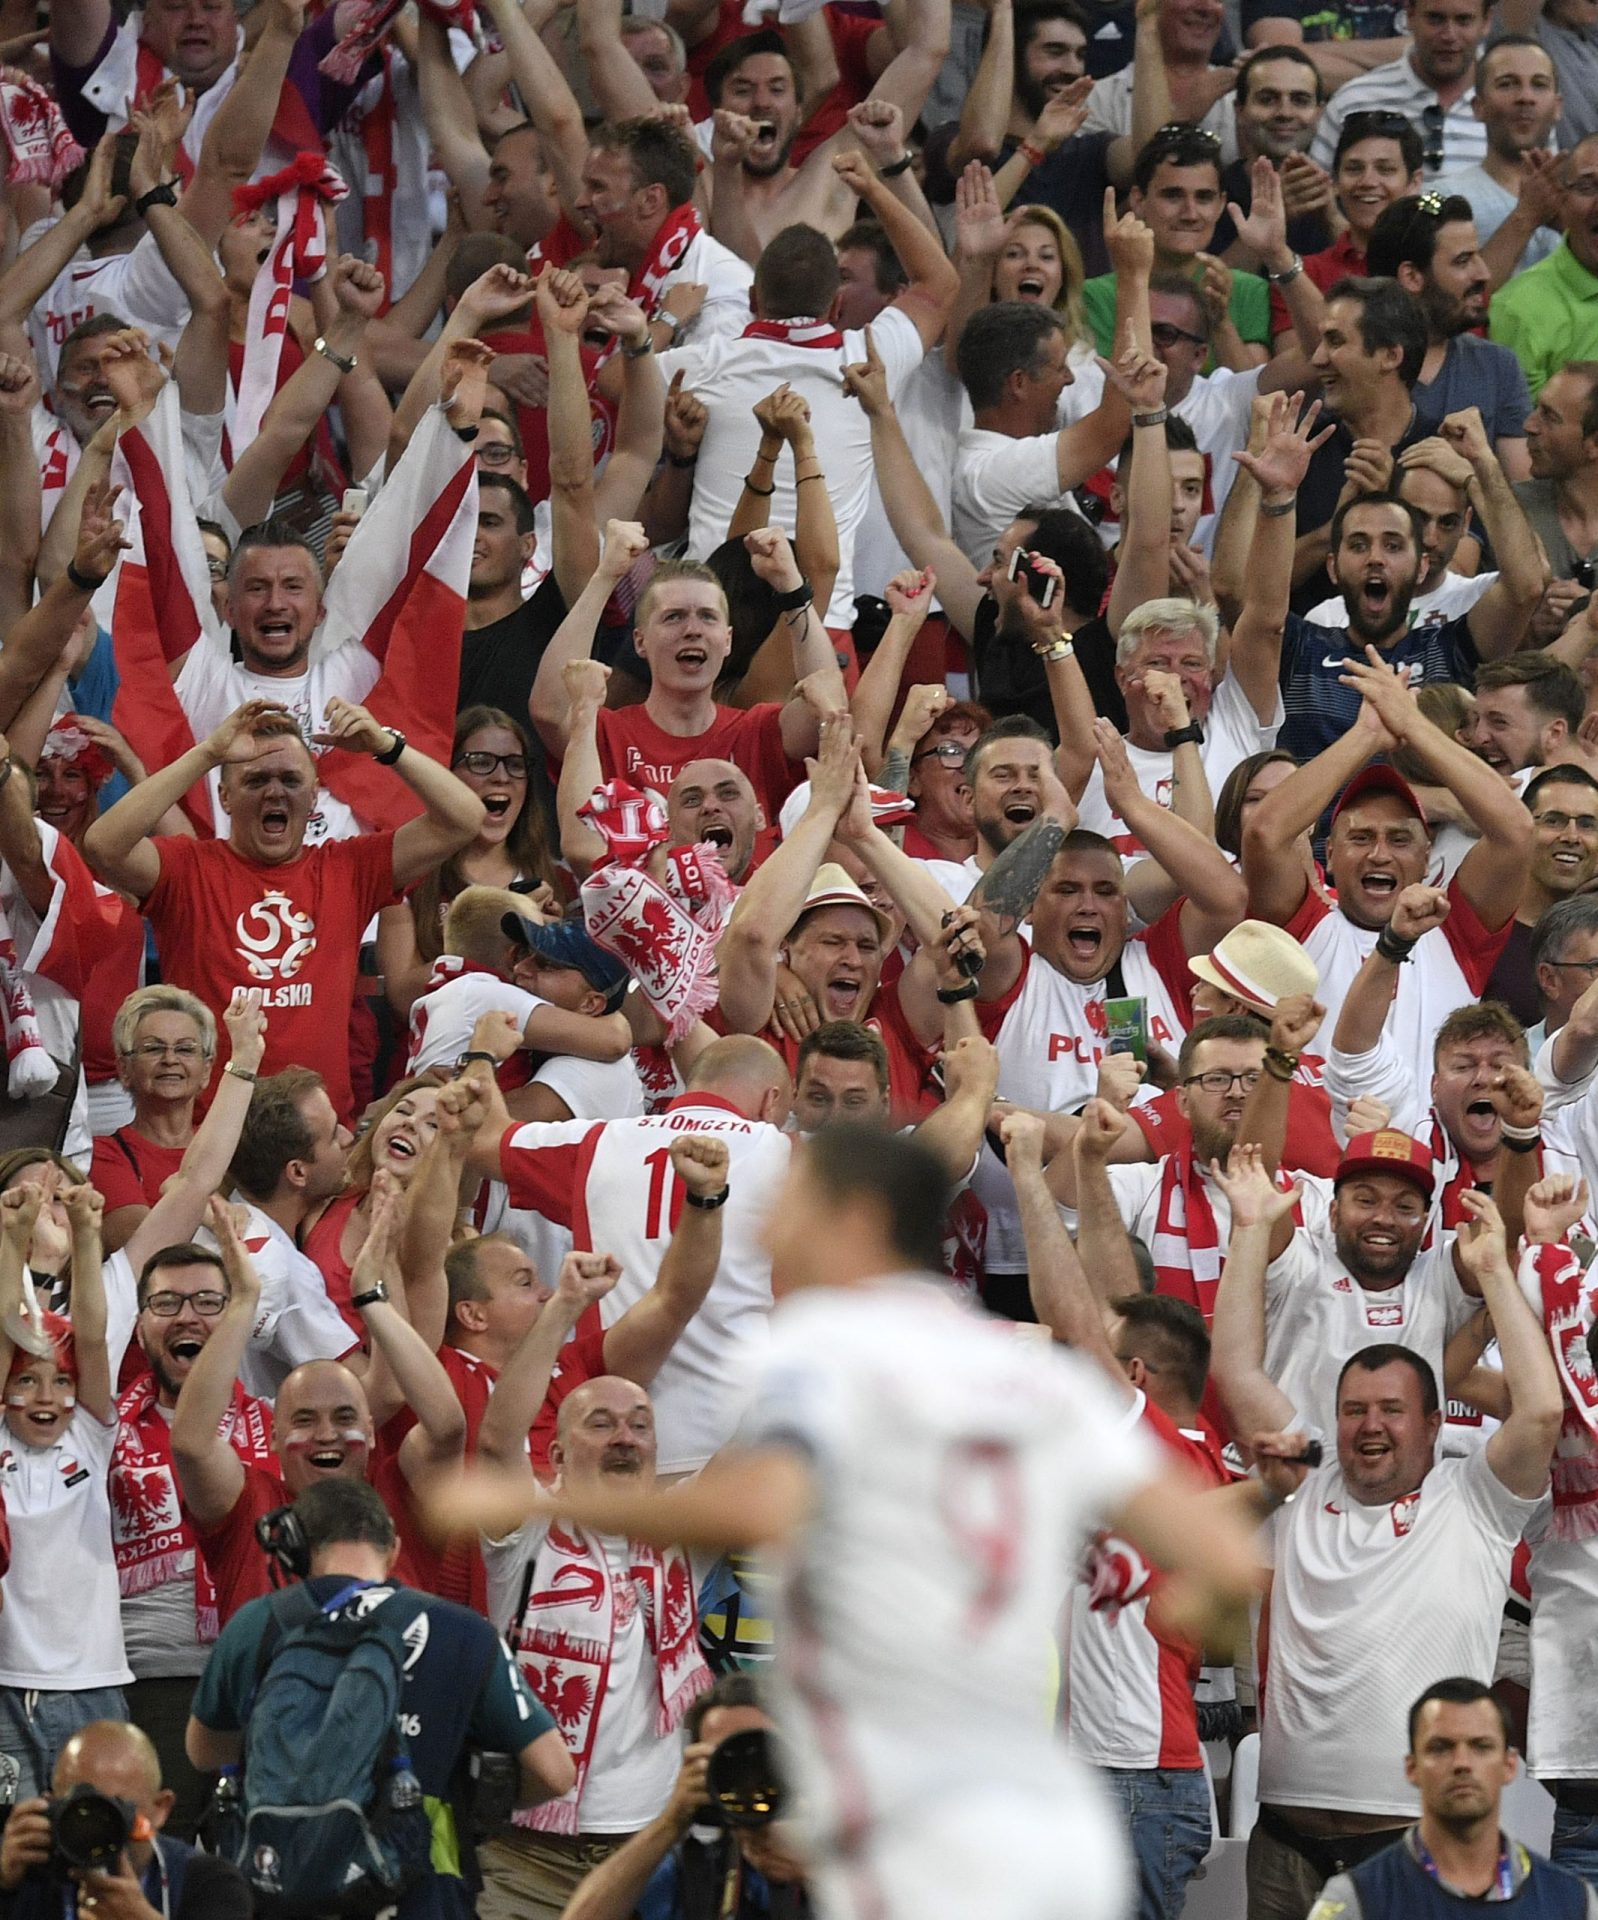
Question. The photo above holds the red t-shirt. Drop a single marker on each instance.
(130, 1170)
(321, 1244)
(118, 973)
(632, 747)
(533, 422)
(294, 930)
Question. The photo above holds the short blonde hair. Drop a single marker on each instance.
(672, 570)
(161, 999)
(472, 927)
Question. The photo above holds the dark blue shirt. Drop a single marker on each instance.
(1320, 710)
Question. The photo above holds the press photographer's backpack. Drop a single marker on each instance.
(328, 1818)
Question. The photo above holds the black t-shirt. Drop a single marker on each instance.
(1010, 678)
(1306, 232)
(212, 1889)
(499, 662)
(1514, 979)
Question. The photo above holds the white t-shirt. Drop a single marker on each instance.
(61, 1626)
(1232, 731)
(1317, 1317)
(1564, 1605)
(1219, 408)
(928, 406)
(1369, 1607)
(442, 1019)
(612, 1183)
(632, 1769)
(1453, 597)
(136, 286)
(1110, 111)
(296, 1321)
(995, 477)
(958, 1474)
(210, 685)
(730, 373)
(729, 278)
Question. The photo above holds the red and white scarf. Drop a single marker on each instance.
(373, 19)
(1455, 1174)
(664, 935)
(678, 231)
(150, 1527)
(29, 1068)
(1186, 1247)
(800, 331)
(566, 1634)
(1551, 1279)
(39, 149)
(299, 252)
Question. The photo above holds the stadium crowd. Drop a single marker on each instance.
(468, 818)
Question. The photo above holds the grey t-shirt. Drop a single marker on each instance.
(1537, 502)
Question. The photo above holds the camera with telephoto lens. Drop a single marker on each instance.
(89, 1830)
(744, 1780)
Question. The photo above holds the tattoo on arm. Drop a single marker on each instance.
(1009, 887)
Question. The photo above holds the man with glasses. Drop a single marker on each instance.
(1563, 803)
(168, 1602)
(1433, 86)
(1549, 316)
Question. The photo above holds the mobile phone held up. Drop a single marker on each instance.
(1041, 586)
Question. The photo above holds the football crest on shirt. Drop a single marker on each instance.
(1404, 1513)
(274, 941)
(1384, 1313)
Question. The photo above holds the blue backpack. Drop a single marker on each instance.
(329, 1818)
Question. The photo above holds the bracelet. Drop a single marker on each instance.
(163, 194)
(1179, 736)
(1054, 651)
(803, 477)
(1156, 419)
(794, 598)
(478, 1053)
(952, 996)
(345, 362)
(240, 1073)
(1287, 274)
(764, 493)
(903, 164)
(1521, 1139)
(637, 350)
(682, 460)
(82, 581)
(387, 759)
(707, 1202)
(1280, 509)
(1280, 1064)
(1032, 153)
(1393, 946)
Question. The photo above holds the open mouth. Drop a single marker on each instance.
(766, 138)
(188, 1348)
(267, 631)
(718, 836)
(1020, 813)
(1375, 594)
(402, 1148)
(1567, 860)
(496, 805)
(99, 400)
(274, 819)
(1030, 287)
(692, 659)
(1084, 942)
(1382, 885)
(326, 1459)
(841, 992)
(1373, 1449)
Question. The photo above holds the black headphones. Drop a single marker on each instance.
(282, 1537)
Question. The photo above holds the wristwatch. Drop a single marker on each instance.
(163, 194)
(370, 1298)
(388, 758)
(345, 362)
(1179, 736)
(1289, 272)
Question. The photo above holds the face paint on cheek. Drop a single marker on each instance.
(19, 1400)
(69, 1401)
(354, 1438)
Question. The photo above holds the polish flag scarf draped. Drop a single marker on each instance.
(801, 331)
(29, 1067)
(299, 252)
(1551, 1279)
(373, 19)
(39, 149)
(1186, 1247)
(565, 1633)
(150, 1528)
(679, 230)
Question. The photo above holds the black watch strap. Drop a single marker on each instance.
(1179, 736)
(708, 1202)
(371, 1296)
(163, 194)
(794, 598)
(387, 759)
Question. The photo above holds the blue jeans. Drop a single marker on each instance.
(34, 1727)
(1575, 1844)
(1167, 1814)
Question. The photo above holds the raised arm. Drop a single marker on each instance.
(926, 301)
(640, 422)
(624, 542)
(1271, 863)
(817, 684)
(1369, 998)
(96, 1389)
(39, 638)
(563, 309)
(1143, 566)
(1499, 619)
(550, 103)
(237, 136)
(909, 597)
(1520, 1451)
(20, 492)
(584, 1280)
(30, 276)
(210, 1474)
(617, 81)
(1103, 1244)
(985, 114)
(638, 1344)
(1237, 1339)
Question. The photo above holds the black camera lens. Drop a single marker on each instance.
(744, 1780)
(89, 1829)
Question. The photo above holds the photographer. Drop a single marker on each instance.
(715, 1850)
(148, 1876)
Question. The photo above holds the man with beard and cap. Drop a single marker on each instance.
(324, 1426)
(1393, 1567)
(1378, 844)
(1479, 1118)
(1427, 243)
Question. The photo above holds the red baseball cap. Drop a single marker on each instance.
(1388, 1151)
(1381, 779)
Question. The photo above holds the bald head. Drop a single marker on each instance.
(605, 1430)
(117, 1758)
(747, 1072)
(712, 800)
(321, 1425)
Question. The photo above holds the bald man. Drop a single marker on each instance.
(542, 1580)
(323, 1425)
(156, 1876)
(713, 800)
(612, 1184)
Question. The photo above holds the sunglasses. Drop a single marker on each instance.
(1166, 333)
(1431, 133)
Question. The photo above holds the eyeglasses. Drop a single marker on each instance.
(159, 1049)
(1166, 333)
(1218, 1080)
(949, 753)
(1588, 967)
(216, 568)
(167, 1306)
(497, 453)
(483, 764)
(1431, 133)
(1557, 822)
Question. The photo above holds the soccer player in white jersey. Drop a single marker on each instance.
(931, 1481)
(1392, 1569)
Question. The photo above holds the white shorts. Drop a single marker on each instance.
(998, 1853)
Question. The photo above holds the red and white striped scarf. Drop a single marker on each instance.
(373, 19)
(1551, 1279)
(299, 252)
(1186, 1247)
(150, 1527)
(39, 149)
(801, 331)
(29, 1067)
(678, 231)
(566, 1634)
